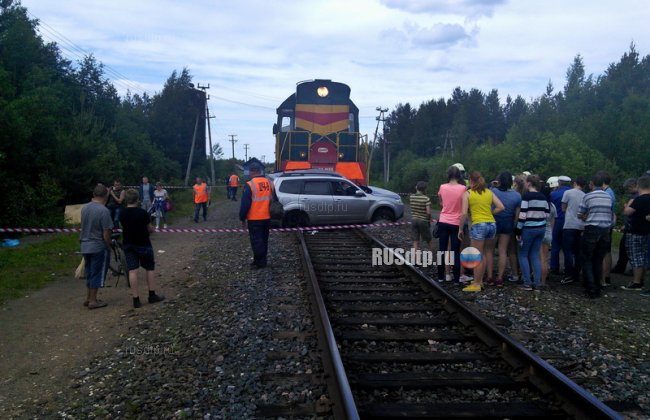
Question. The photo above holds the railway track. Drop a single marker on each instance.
(397, 345)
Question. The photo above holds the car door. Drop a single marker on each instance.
(350, 207)
(316, 201)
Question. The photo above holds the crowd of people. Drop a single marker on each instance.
(535, 226)
(98, 220)
(154, 200)
(132, 210)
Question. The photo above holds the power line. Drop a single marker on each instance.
(77, 51)
(243, 103)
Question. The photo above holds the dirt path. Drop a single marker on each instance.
(48, 337)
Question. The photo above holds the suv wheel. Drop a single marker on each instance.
(295, 218)
(383, 215)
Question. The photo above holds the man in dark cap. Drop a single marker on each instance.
(255, 209)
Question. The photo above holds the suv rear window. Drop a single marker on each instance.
(291, 186)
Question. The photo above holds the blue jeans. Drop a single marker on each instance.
(96, 268)
(448, 233)
(571, 249)
(115, 215)
(529, 254)
(593, 248)
(556, 245)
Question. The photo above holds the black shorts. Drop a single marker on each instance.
(139, 256)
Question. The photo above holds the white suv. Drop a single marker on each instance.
(319, 197)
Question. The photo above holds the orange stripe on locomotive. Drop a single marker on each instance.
(322, 119)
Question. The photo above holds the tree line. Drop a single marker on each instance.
(592, 123)
(64, 128)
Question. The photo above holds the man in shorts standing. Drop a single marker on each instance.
(136, 227)
(421, 216)
(638, 210)
(95, 238)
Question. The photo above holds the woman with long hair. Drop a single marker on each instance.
(530, 231)
(482, 205)
(449, 223)
(506, 221)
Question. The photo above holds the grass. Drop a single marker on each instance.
(31, 266)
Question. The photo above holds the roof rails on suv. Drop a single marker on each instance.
(307, 172)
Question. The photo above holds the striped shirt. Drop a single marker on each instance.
(597, 205)
(533, 212)
(419, 203)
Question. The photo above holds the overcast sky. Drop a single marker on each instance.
(252, 53)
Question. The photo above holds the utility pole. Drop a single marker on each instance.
(449, 143)
(189, 163)
(379, 119)
(385, 143)
(245, 152)
(207, 117)
(233, 141)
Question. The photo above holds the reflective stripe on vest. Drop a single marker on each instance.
(261, 194)
(234, 181)
(201, 193)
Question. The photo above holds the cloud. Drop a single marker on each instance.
(469, 8)
(438, 36)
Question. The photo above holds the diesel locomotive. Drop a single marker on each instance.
(318, 127)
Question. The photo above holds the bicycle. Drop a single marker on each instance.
(117, 263)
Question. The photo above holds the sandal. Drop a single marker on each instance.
(490, 282)
(499, 282)
(98, 304)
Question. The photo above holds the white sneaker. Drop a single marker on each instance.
(448, 277)
(465, 279)
(165, 226)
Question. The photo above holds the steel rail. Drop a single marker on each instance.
(577, 401)
(344, 406)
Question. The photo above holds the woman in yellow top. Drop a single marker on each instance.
(482, 205)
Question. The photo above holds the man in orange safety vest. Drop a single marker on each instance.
(233, 184)
(201, 197)
(255, 209)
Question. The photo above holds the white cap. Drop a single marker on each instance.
(564, 178)
(553, 181)
(459, 166)
(526, 173)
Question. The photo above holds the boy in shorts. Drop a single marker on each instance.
(136, 227)
(638, 239)
(421, 216)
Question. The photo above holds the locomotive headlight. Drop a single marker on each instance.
(322, 91)
(341, 155)
(303, 154)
